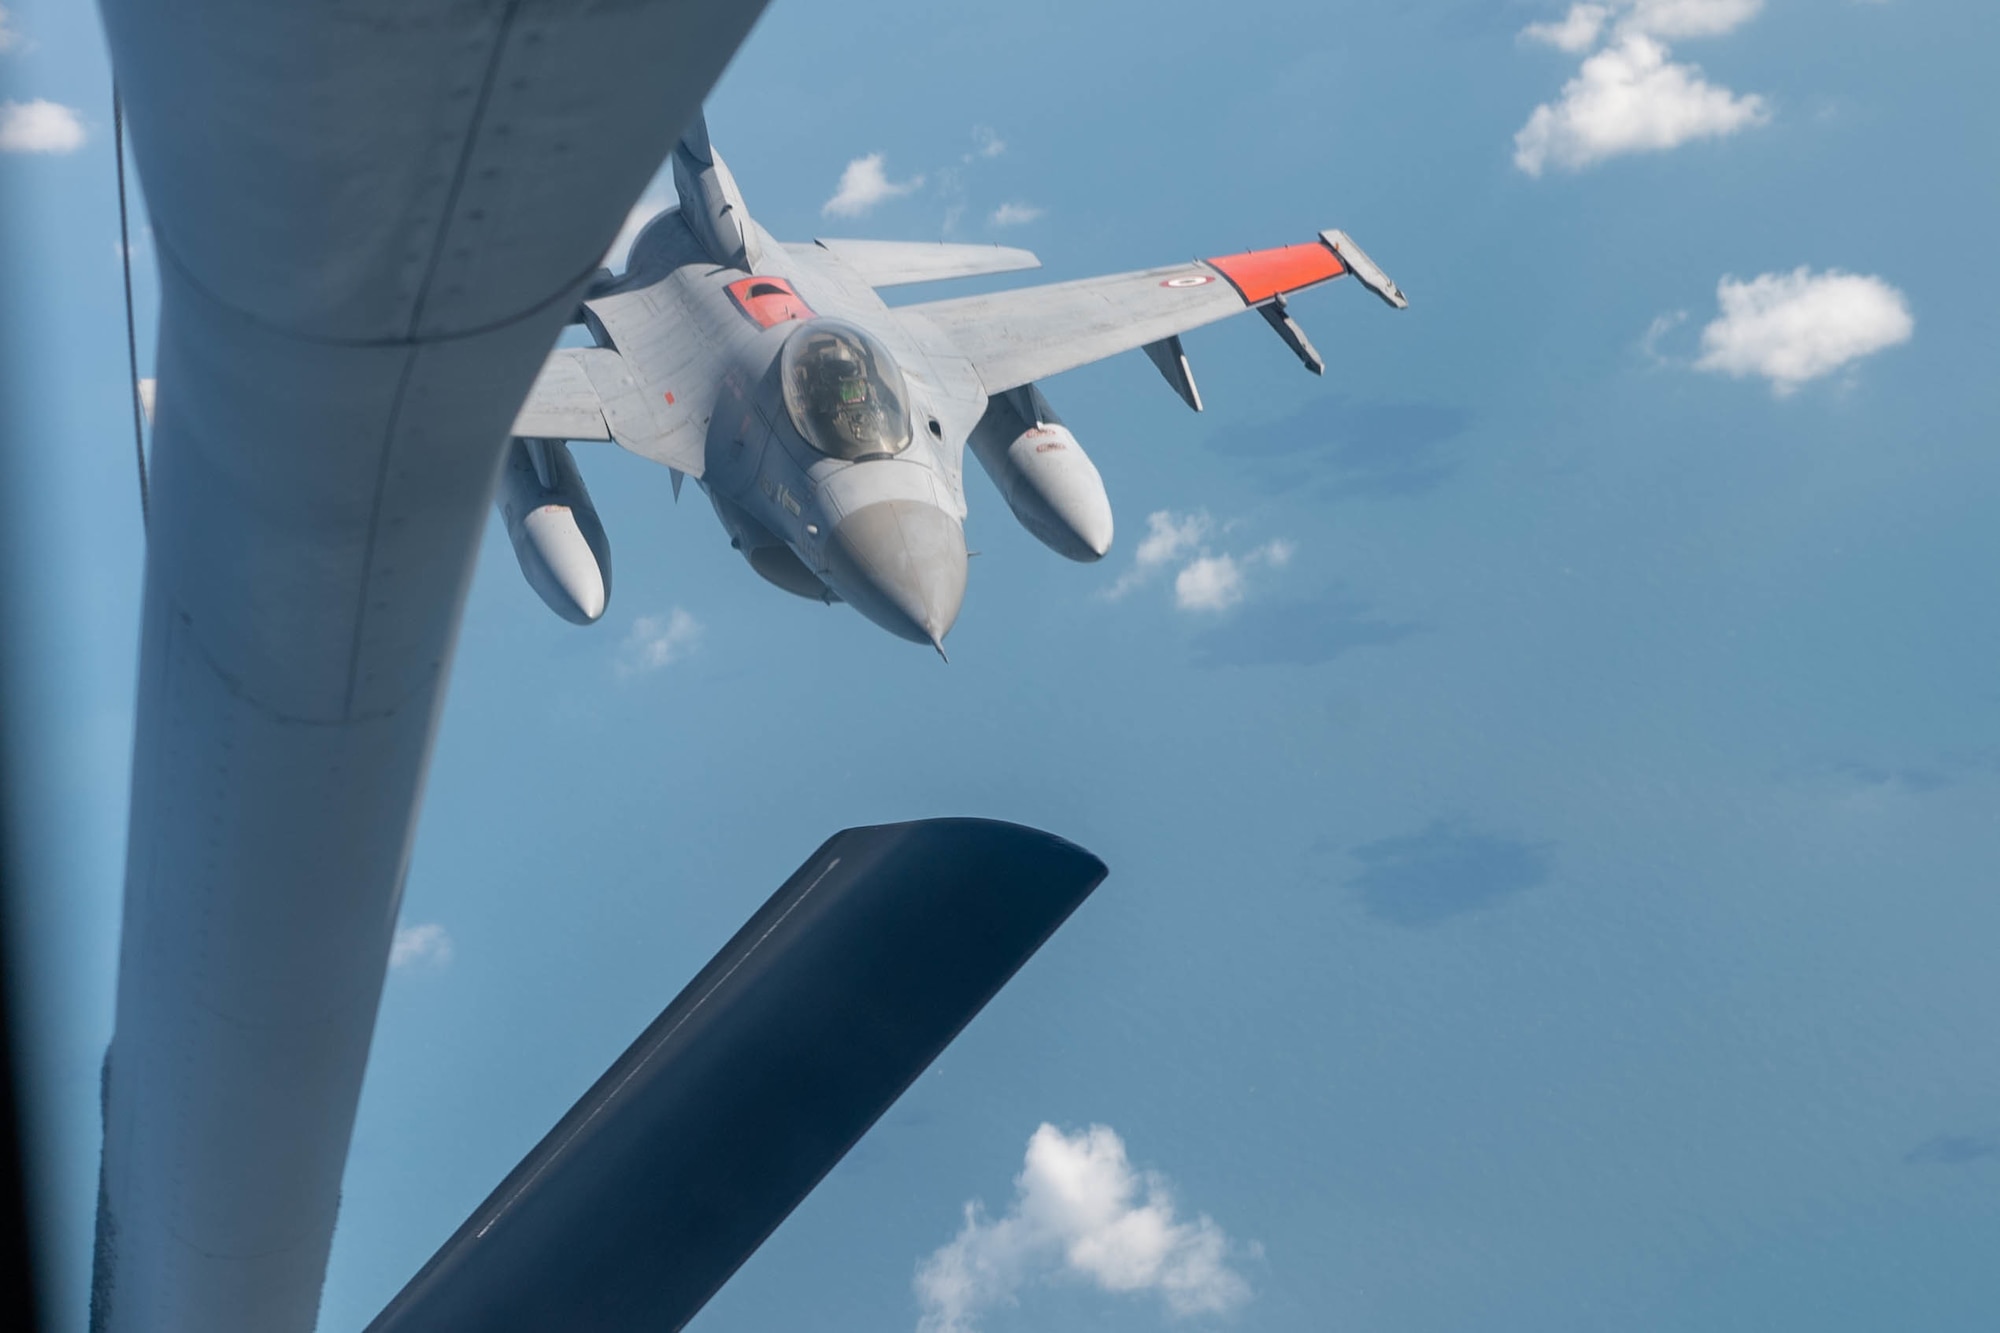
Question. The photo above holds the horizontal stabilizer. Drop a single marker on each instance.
(755, 1081)
(895, 263)
(562, 405)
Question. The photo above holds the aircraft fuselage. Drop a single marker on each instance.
(872, 516)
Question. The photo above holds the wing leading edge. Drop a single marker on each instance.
(897, 263)
(1015, 337)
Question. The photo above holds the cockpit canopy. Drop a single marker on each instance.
(844, 391)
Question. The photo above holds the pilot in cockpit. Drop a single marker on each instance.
(844, 395)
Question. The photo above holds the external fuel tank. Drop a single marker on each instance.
(1044, 474)
(555, 530)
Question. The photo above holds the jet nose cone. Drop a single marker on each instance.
(901, 563)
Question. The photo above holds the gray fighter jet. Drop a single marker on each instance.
(829, 429)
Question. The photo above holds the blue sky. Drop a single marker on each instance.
(1552, 838)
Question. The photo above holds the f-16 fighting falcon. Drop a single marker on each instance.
(829, 429)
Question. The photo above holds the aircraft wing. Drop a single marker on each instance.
(895, 263)
(1015, 337)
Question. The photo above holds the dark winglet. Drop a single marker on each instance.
(770, 1065)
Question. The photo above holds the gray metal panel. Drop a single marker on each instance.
(894, 263)
(659, 403)
(1013, 338)
(562, 405)
(373, 217)
(435, 166)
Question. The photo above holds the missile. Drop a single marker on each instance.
(1043, 474)
(554, 529)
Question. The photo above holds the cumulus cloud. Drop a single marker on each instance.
(1630, 98)
(1797, 326)
(1081, 1212)
(427, 945)
(1215, 582)
(863, 185)
(985, 143)
(1575, 32)
(1206, 580)
(1014, 215)
(1579, 29)
(658, 641)
(1210, 583)
(40, 126)
(1687, 18)
(1168, 537)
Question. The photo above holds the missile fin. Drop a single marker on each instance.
(1171, 358)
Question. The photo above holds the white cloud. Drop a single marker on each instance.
(39, 126)
(1579, 29)
(1576, 32)
(985, 143)
(1797, 326)
(1688, 18)
(1168, 537)
(1080, 1211)
(1629, 99)
(658, 641)
(1661, 326)
(1205, 581)
(1209, 583)
(1014, 215)
(865, 184)
(1216, 582)
(10, 36)
(427, 945)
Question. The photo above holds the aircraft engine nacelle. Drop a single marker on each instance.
(555, 530)
(1044, 474)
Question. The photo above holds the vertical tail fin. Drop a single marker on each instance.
(710, 202)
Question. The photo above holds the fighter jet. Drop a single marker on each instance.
(828, 428)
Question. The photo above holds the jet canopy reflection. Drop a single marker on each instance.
(844, 392)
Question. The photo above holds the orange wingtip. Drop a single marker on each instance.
(1262, 274)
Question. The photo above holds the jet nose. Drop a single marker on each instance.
(901, 563)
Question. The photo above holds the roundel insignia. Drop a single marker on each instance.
(1190, 280)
